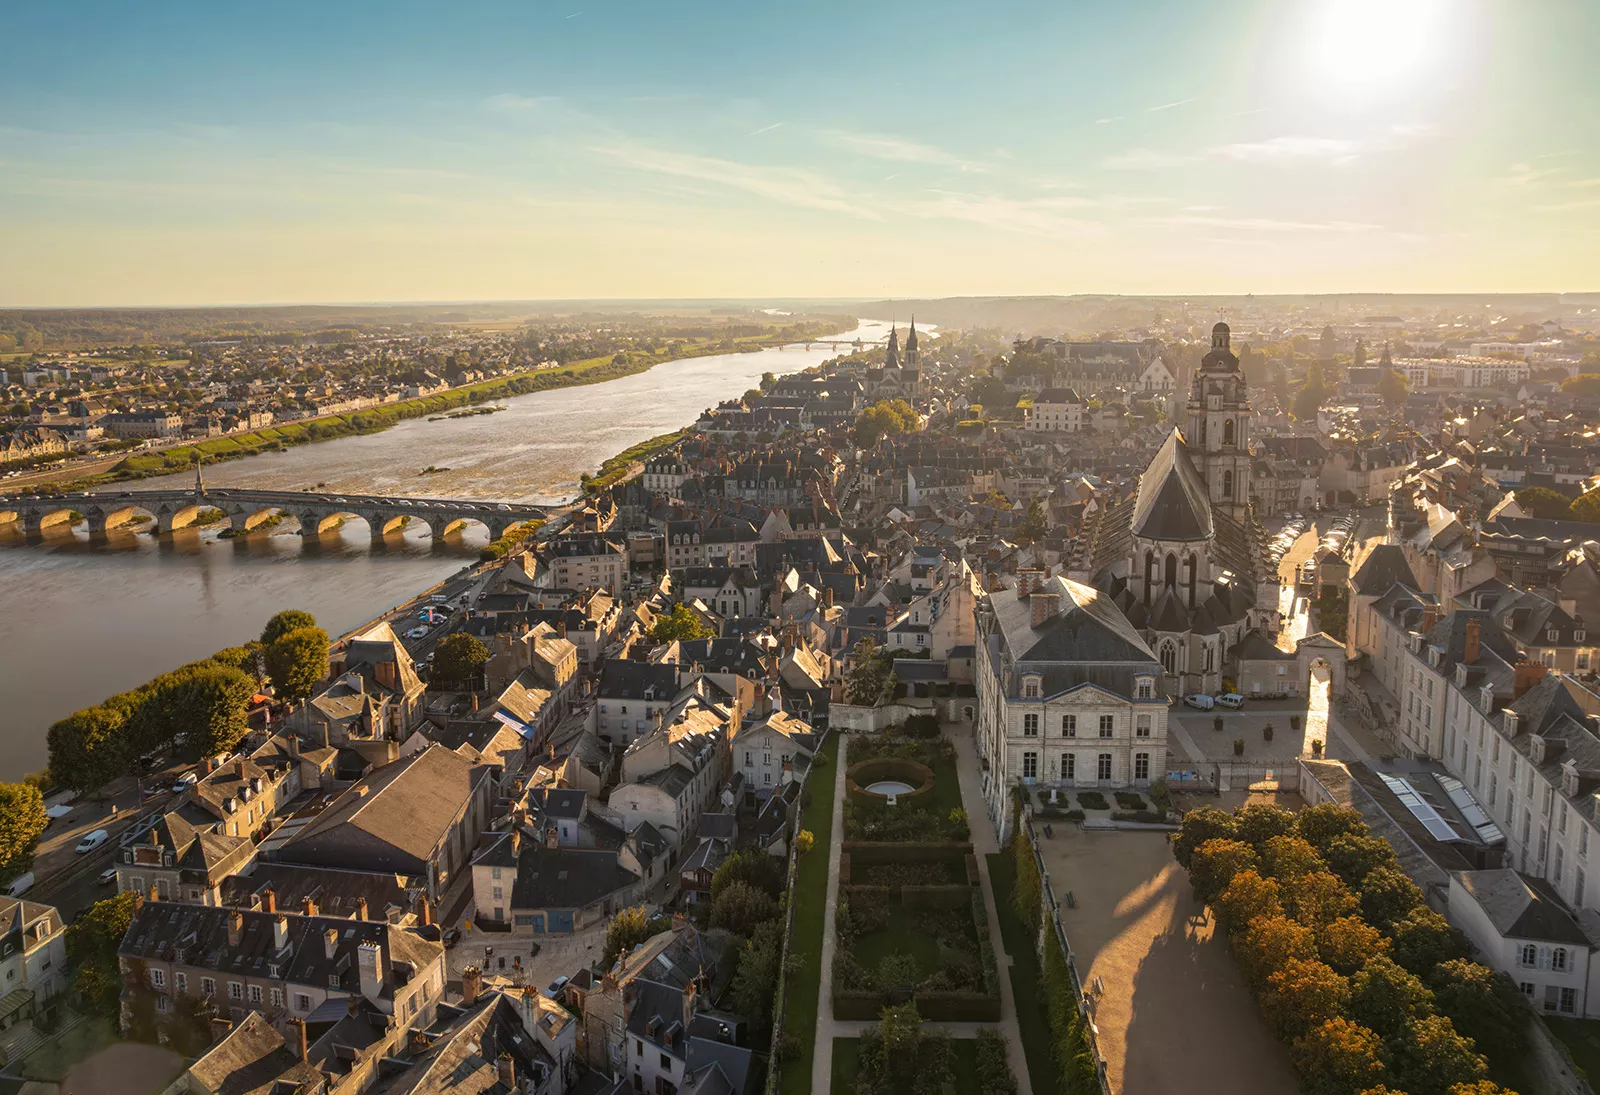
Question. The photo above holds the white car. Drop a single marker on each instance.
(92, 841)
(1199, 701)
(1231, 700)
(416, 633)
(108, 876)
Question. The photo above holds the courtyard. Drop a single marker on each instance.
(1171, 989)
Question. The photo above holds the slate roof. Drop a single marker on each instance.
(1172, 502)
(1384, 566)
(250, 1061)
(625, 680)
(1521, 906)
(566, 878)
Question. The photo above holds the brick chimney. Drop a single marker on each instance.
(1045, 607)
(292, 743)
(1525, 675)
(269, 900)
(507, 1068)
(235, 927)
(138, 900)
(298, 1044)
(308, 907)
(470, 982)
(361, 908)
(330, 943)
(425, 911)
(1469, 654)
(1430, 616)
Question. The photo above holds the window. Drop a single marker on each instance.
(1527, 988)
(766, 777)
(1146, 688)
(1558, 959)
(1141, 726)
(1528, 957)
(158, 978)
(1560, 857)
(766, 758)
(1030, 688)
(302, 1002)
(1103, 766)
(1577, 887)
(638, 1048)
(666, 1062)
(1169, 657)
(1069, 726)
(1107, 725)
(180, 981)
(1069, 766)
(1141, 766)
(1569, 1001)
(1030, 765)
(747, 760)
(235, 990)
(208, 986)
(255, 994)
(276, 996)
(1030, 726)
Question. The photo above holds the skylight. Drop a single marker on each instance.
(1421, 809)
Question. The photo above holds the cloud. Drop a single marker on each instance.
(1145, 159)
(1036, 216)
(1169, 106)
(1563, 207)
(785, 185)
(766, 129)
(509, 101)
(1108, 121)
(898, 150)
(1260, 224)
(1526, 174)
(1289, 149)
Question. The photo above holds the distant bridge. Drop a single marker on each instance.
(245, 509)
(836, 343)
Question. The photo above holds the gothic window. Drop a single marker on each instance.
(1227, 484)
(1149, 567)
(1169, 657)
(1227, 432)
(1190, 563)
(1172, 571)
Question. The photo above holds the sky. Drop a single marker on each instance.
(186, 154)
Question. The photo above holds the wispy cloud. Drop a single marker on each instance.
(1108, 121)
(1260, 224)
(797, 187)
(1054, 216)
(766, 129)
(1169, 106)
(1287, 149)
(507, 100)
(898, 150)
(1522, 174)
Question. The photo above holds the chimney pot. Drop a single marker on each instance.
(470, 982)
(1474, 640)
(508, 1071)
(308, 907)
(269, 900)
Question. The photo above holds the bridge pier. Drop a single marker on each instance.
(239, 522)
(97, 522)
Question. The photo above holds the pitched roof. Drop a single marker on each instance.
(1521, 906)
(1172, 499)
(1383, 567)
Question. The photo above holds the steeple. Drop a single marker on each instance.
(199, 481)
(1386, 361)
(911, 344)
(891, 357)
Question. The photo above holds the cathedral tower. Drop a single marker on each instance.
(891, 356)
(1218, 429)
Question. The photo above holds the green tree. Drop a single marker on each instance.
(753, 866)
(681, 624)
(291, 619)
(92, 941)
(1353, 856)
(1386, 998)
(1215, 864)
(297, 661)
(1546, 503)
(1301, 995)
(628, 928)
(201, 709)
(459, 660)
(1484, 1004)
(1423, 939)
(871, 675)
(1200, 825)
(1433, 1057)
(1386, 896)
(1340, 1057)
(1289, 857)
(89, 748)
(1584, 384)
(1321, 823)
(1036, 523)
(22, 822)
(1313, 393)
(1259, 822)
(741, 907)
(756, 978)
(1393, 387)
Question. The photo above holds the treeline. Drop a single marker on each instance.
(612, 471)
(1370, 988)
(200, 709)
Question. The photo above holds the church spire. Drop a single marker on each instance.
(891, 357)
(911, 343)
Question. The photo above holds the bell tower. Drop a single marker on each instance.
(1218, 430)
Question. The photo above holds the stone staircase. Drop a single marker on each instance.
(24, 1039)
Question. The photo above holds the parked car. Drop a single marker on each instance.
(184, 782)
(556, 986)
(452, 936)
(20, 885)
(108, 876)
(92, 841)
(1232, 700)
(1199, 701)
(416, 632)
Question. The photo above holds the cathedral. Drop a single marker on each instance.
(900, 378)
(1184, 556)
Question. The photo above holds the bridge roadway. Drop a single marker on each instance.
(246, 509)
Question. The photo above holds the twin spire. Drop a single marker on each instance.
(891, 357)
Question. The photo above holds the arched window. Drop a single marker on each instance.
(1227, 484)
(1169, 658)
(1172, 571)
(1190, 563)
(1149, 574)
(1227, 432)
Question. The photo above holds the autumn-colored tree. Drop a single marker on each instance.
(1317, 897)
(1433, 1057)
(1268, 943)
(1353, 856)
(1386, 896)
(1481, 1087)
(1423, 939)
(1321, 823)
(1287, 857)
(1245, 898)
(1215, 863)
(1301, 995)
(1348, 942)
(1386, 997)
(1484, 1004)
(22, 822)
(1199, 826)
(1340, 1057)
(1258, 822)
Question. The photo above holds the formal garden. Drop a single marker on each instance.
(799, 983)
(901, 1055)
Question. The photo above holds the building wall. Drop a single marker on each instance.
(1541, 983)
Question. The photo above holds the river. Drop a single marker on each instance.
(84, 621)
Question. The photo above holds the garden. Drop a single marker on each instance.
(933, 813)
(800, 983)
(900, 1055)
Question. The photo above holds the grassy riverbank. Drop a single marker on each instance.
(595, 370)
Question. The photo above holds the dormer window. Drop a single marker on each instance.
(1144, 688)
(1486, 699)
(1577, 636)
(1461, 676)
(1511, 723)
(1536, 749)
(1552, 635)
(1433, 657)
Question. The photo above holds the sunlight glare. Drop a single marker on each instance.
(1360, 52)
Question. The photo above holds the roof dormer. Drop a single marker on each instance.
(1569, 778)
(1032, 686)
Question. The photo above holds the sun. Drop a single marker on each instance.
(1364, 52)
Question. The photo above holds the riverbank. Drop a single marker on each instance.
(597, 370)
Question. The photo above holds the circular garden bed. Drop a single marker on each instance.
(900, 780)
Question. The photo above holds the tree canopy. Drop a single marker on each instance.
(871, 675)
(22, 822)
(628, 929)
(681, 624)
(290, 619)
(296, 661)
(459, 660)
(1393, 386)
(1544, 502)
(885, 418)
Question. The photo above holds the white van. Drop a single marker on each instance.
(1199, 701)
(20, 885)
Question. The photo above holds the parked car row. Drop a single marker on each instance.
(1202, 702)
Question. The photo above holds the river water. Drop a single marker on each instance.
(84, 621)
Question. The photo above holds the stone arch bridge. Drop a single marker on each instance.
(245, 509)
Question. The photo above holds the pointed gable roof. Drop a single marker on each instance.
(1172, 500)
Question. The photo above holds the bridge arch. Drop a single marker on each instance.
(448, 524)
(102, 519)
(242, 519)
(33, 516)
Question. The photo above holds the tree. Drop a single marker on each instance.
(88, 748)
(1289, 857)
(1199, 826)
(201, 708)
(871, 675)
(1386, 896)
(1301, 995)
(1433, 1057)
(804, 841)
(291, 619)
(1353, 856)
(1481, 1087)
(628, 928)
(1393, 387)
(1317, 898)
(459, 660)
(1319, 824)
(246, 658)
(1546, 503)
(885, 418)
(1312, 394)
(1247, 897)
(1259, 822)
(760, 960)
(1036, 523)
(1215, 864)
(298, 660)
(1340, 1057)
(1268, 943)
(1386, 998)
(1582, 384)
(1423, 939)
(681, 624)
(768, 380)
(22, 822)
(763, 871)
(92, 941)
(1484, 1004)
(1347, 942)
(741, 907)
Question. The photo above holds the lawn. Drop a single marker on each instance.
(898, 938)
(1033, 1023)
(1582, 1037)
(847, 1062)
(51, 1061)
(810, 903)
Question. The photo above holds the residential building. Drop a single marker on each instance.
(1055, 410)
(771, 752)
(1524, 930)
(582, 562)
(33, 959)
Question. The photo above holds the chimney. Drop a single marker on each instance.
(330, 943)
(154, 893)
(425, 911)
(1430, 616)
(220, 1029)
(1469, 654)
(238, 769)
(470, 978)
(369, 961)
(280, 932)
(269, 900)
(298, 1026)
(138, 900)
(361, 908)
(516, 842)
(1525, 675)
(508, 1071)
(308, 907)
(1045, 607)
(292, 742)
(474, 701)
(1023, 577)
(235, 927)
